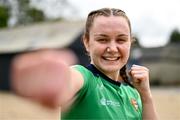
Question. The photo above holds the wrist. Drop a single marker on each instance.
(146, 97)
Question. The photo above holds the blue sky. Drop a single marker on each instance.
(152, 20)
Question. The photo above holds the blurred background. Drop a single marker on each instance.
(27, 25)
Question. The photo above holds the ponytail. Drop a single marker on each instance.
(124, 75)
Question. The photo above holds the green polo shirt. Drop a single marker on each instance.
(102, 98)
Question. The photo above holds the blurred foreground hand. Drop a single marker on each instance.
(36, 75)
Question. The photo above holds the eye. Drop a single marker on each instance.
(121, 40)
(102, 40)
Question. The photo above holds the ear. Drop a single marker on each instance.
(133, 39)
(86, 43)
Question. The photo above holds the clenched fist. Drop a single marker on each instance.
(140, 78)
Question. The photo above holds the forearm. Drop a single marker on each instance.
(140, 75)
(149, 111)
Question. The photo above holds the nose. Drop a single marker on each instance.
(112, 47)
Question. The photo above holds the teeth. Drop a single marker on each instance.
(112, 59)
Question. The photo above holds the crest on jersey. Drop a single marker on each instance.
(134, 103)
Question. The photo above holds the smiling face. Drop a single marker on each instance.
(108, 43)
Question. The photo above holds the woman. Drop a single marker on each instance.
(102, 89)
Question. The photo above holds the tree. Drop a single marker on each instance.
(4, 16)
(25, 14)
(28, 14)
(35, 15)
(22, 12)
(175, 36)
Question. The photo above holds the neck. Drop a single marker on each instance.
(114, 75)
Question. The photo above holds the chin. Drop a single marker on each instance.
(110, 68)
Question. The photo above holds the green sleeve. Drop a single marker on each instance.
(89, 81)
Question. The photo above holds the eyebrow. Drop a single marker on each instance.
(103, 35)
(122, 35)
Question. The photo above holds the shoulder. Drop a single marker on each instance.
(86, 73)
(79, 68)
(87, 78)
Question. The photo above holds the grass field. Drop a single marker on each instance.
(167, 102)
